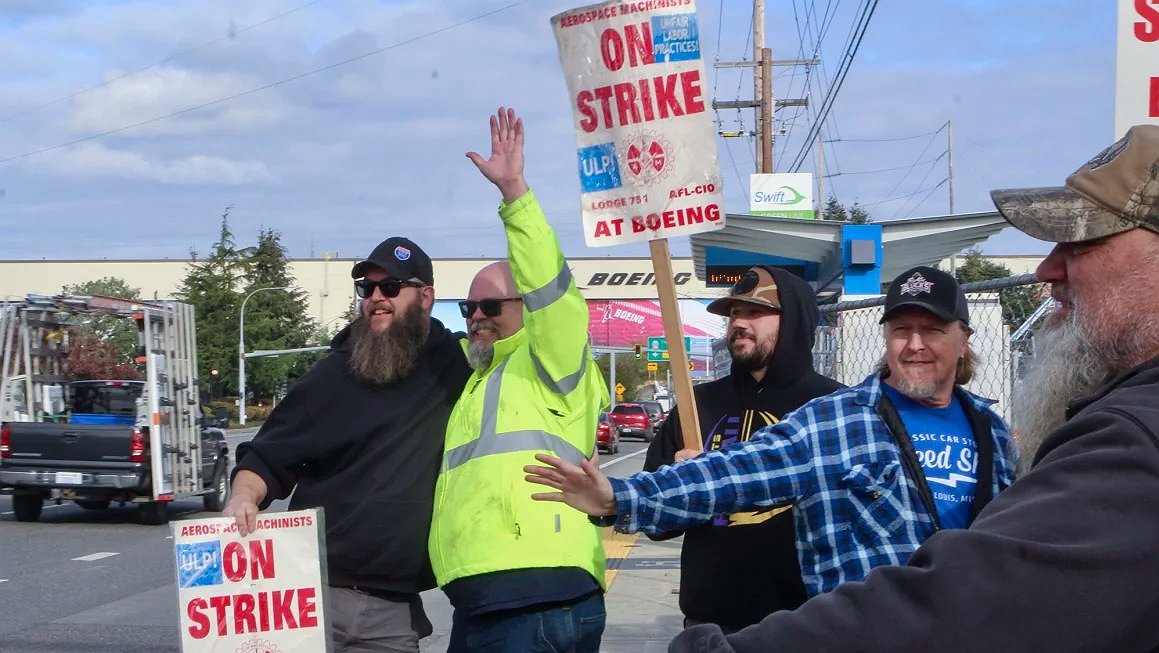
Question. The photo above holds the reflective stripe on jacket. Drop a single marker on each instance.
(542, 393)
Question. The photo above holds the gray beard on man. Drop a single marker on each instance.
(480, 354)
(1066, 366)
(382, 358)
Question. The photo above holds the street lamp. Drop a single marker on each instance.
(241, 353)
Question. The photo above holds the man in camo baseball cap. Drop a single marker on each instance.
(1116, 191)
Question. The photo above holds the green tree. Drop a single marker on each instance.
(118, 334)
(276, 319)
(1017, 302)
(835, 211)
(211, 285)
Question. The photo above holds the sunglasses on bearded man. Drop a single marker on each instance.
(388, 287)
(490, 307)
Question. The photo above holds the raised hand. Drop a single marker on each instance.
(505, 167)
(584, 488)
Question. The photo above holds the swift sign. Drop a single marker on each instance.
(646, 148)
(260, 593)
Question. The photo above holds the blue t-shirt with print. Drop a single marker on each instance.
(945, 447)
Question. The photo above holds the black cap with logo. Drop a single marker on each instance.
(928, 288)
(400, 258)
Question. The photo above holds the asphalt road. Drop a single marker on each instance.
(82, 581)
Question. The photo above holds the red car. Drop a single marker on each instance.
(633, 419)
(607, 435)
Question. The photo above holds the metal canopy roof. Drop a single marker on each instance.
(905, 243)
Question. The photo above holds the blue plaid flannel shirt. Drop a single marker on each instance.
(835, 459)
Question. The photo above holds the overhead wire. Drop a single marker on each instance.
(230, 35)
(265, 87)
(839, 79)
(871, 172)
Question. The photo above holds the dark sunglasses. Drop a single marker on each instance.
(388, 287)
(490, 307)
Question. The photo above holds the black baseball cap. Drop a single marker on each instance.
(928, 288)
(400, 258)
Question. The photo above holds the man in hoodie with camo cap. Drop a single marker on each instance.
(772, 317)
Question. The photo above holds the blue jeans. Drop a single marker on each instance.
(574, 628)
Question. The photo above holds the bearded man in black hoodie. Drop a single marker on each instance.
(361, 435)
(743, 567)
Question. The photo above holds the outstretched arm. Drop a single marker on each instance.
(582, 487)
(555, 313)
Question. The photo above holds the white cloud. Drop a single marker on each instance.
(96, 160)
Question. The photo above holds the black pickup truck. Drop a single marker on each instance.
(99, 456)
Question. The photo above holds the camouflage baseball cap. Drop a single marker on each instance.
(756, 286)
(1116, 191)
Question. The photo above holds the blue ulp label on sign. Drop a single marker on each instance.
(599, 169)
(675, 38)
(199, 564)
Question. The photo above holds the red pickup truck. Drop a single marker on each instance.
(633, 419)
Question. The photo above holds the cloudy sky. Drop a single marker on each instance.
(127, 127)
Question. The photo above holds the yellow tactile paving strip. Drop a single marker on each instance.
(617, 546)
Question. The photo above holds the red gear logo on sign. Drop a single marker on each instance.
(648, 156)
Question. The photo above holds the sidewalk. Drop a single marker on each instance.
(643, 613)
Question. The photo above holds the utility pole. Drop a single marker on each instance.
(820, 177)
(950, 159)
(760, 72)
(767, 111)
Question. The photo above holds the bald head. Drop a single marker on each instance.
(493, 281)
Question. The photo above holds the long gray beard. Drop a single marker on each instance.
(1066, 366)
(382, 358)
(480, 354)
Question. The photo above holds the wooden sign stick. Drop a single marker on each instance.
(674, 335)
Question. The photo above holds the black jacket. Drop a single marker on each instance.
(1066, 559)
(744, 566)
(369, 455)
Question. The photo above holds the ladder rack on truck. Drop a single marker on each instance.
(36, 339)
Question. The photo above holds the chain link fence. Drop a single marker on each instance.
(1003, 313)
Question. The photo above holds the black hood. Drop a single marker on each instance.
(793, 355)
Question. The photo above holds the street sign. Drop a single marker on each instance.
(690, 366)
(620, 387)
(658, 347)
(653, 367)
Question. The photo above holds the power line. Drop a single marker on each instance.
(888, 140)
(267, 86)
(870, 172)
(862, 24)
(902, 197)
(231, 35)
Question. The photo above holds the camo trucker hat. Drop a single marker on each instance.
(1116, 191)
(755, 286)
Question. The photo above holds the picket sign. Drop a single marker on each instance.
(264, 593)
(645, 143)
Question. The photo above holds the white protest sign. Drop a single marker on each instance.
(263, 593)
(1137, 65)
(646, 146)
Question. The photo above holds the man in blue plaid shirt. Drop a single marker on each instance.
(872, 471)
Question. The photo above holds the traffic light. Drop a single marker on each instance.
(638, 348)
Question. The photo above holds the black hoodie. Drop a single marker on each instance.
(742, 567)
(369, 455)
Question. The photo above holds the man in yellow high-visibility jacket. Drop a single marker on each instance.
(522, 575)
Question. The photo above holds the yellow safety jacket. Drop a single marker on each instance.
(542, 393)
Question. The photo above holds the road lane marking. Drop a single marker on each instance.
(617, 546)
(621, 458)
(96, 556)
